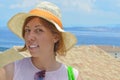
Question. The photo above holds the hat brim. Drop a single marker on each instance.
(15, 24)
(12, 55)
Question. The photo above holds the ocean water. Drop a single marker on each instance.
(85, 36)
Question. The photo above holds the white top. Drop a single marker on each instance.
(25, 70)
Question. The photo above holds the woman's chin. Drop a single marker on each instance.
(34, 53)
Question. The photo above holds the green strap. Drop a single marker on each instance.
(70, 73)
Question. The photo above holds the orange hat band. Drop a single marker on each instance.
(46, 14)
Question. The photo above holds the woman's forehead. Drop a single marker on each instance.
(36, 22)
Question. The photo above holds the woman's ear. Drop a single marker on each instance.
(56, 38)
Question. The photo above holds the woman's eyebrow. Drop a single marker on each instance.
(26, 26)
(38, 26)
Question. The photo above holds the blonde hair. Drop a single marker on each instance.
(59, 46)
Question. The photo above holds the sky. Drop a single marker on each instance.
(83, 13)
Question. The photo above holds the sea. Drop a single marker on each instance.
(85, 36)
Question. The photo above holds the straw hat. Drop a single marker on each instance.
(12, 55)
(48, 11)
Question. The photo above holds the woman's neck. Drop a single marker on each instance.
(48, 63)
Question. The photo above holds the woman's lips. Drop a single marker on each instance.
(33, 46)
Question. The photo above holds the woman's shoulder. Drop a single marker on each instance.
(24, 60)
(2, 74)
(9, 68)
(76, 74)
(9, 71)
(73, 70)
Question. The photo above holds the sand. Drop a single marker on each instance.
(93, 63)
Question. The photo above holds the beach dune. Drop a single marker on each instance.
(93, 63)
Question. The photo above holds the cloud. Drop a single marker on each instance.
(117, 3)
(80, 5)
(101, 10)
(25, 4)
(1, 5)
(90, 6)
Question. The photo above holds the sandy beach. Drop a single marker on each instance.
(93, 62)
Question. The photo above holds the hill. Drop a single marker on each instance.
(93, 63)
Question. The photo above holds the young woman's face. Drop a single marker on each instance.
(39, 40)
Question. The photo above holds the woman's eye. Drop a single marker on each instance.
(27, 30)
(38, 30)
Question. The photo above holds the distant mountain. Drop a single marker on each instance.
(95, 29)
(110, 28)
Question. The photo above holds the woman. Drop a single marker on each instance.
(45, 38)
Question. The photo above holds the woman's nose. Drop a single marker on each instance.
(31, 36)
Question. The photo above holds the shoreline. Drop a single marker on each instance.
(112, 50)
(107, 48)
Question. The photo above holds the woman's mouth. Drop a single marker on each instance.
(33, 46)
